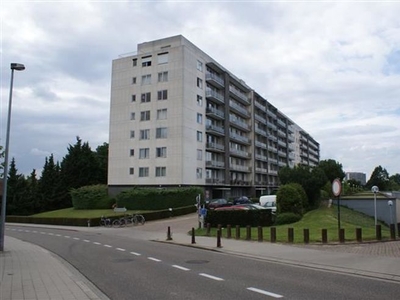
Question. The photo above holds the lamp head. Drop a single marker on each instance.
(18, 67)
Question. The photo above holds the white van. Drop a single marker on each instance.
(268, 201)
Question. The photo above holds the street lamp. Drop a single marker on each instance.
(390, 203)
(17, 67)
(375, 189)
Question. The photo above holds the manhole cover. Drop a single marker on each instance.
(198, 261)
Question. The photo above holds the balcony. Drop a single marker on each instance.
(215, 164)
(273, 160)
(215, 181)
(241, 110)
(282, 163)
(215, 129)
(281, 133)
(239, 153)
(281, 123)
(272, 138)
(271, 114)
(215, 80)
(259, 105)
(272, 125)
(260, 119)
(261, 157)
(260, 144)
(282, 153)
(213, 95)
(214, 112)
(239, 138)
(240, 168)
(261, 170)
(273, 172)
(241, 125)
(261, 131)
(239, 95)
(215, 146)
(281, 143)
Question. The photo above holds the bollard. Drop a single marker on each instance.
(260, 234)
(392, 232)
(248, 232)
(228, 231)
(306, 233)
(193, 237)
(219, 238)
(378, 231)
(273, 234)
(219, 226)
(237, 232)
(341, 235)
(88, 223)
(359, 234)
(398, 229)
(324, 236)
(169, 235)
(290, 235)
(208, 229)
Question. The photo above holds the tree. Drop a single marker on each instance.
(394, 182)
(32, 195)
(289, 198)
(380, 178)
(102, 160)
(332, 169)
(2, 162)
(16, 191)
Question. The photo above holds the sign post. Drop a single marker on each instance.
(337, 190)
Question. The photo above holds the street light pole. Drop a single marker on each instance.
(18, 67)
(375, 189)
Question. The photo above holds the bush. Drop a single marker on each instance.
(239, 217)
(287, 218)
(157, 199)
(289, 199)
(91, 197)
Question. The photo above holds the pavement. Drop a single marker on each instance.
(30, 272)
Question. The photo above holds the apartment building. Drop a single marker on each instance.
(358, 176)
(179, 118)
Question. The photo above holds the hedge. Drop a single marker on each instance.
(91, 197)
(240, 217)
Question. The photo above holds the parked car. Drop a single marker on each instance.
(215, 203)
(270, 205)
(267, 198)
(232, 207)
(242, 200)
(252, 206)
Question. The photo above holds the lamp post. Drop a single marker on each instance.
(390, 203)
(17, 67)
(375, 189)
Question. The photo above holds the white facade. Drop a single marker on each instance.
(178, 118)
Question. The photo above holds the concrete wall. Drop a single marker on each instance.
(367, 207)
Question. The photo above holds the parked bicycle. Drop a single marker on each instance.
(139, 219)
(106, 222)
(123, 221)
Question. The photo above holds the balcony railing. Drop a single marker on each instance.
(239, 138)
(215, 146)
(239, 94)
(239, 108)
(241, 124)
(215, 111)
(216, 78)
(214, 95)
(215, 164)
(239, 152)
(215, 128)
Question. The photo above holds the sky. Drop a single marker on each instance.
(333, 67)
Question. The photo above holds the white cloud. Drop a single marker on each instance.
(333, 68)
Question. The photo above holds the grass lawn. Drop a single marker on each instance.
(83, 213)
(315, 221)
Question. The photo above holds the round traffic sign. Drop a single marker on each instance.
(336, 187)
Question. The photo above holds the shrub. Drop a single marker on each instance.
(287, 218)
(239, 217)
(289, 199)
(91, 197)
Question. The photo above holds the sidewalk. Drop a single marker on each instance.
(29, 272)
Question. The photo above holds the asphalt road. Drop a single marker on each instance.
(129, 268)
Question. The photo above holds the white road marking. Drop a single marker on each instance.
(27, 231)
(154, 259)
(58, 234)
(96, 243)
(86, 241)
(264, 292)
(34, 231)
(181, 268)
(67, 236)
(50, 233)
(75, 238)
(120, 249)
(211, 277)
(135, 253)
(108, 246)
(40, 232)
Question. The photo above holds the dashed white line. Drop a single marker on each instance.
(50, 233)
(75, 238)
(34, 231)
(86, 241)
(154, 259)
(108, 246)
(119, 249)
(211, 277)
(27, 231)
(265, 292)
(67, 236)
(135, 253)
(181, 268)
(96, 243)
(58, 234)
(40, 232)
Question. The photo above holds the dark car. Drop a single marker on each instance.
(220, 202)
(242, 200)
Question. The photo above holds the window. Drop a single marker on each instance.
(161, 152)
(199, 154)
(199, 173)
(161, 171)
(134, 62)
(145, 97)
(146, 61)
(199, 83)
(199, 100)
(145, 134)
(145, 115)
(162, 114)
(163, 76)
(161, 133)
(144, 172)
(146, 79)
(163, 58)
(200, 66)
(132, 134)
(162, 95)
(131, 171)
(133, 98)
(144, 153)
(199, 118)
(133, 80)
(199, 136)
(132, 116)
(132, 152)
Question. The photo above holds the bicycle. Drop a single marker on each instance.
(106, 222)
(123, 221)
(139, 219)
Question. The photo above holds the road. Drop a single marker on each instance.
(132, 268)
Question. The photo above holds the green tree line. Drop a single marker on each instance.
(80, 167)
